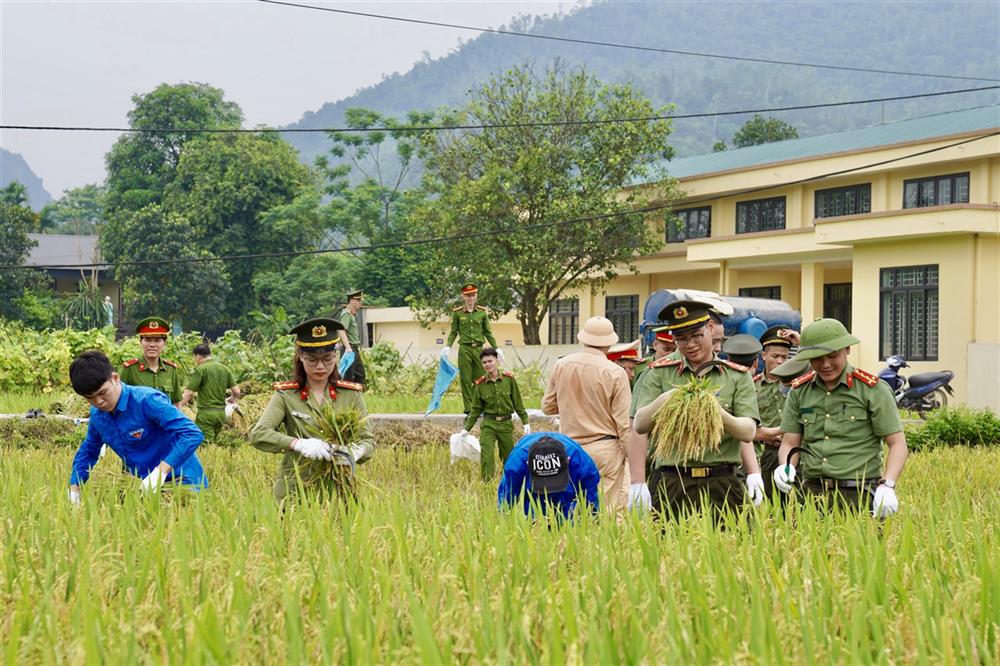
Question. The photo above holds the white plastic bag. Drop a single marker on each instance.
(464, 448)
(230, 408)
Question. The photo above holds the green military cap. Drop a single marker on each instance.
(685, 315)
(317, 333)
(790, 369)
(822, 337)
(151, 327)
(771, 337)
(742, 345)
(358, 294)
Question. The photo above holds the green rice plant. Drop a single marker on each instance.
(340, 428)
(688, 424)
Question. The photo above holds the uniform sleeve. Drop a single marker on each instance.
(550, 401)
(196, 378)
(176, 393)
(475, 409)
(365, 438)
(454, 329)
(87, 455)
(264, 435)
(883, 410)
(633, 405)
(230, 379)
(621, 399)
(745, 400)
(646, 391)
(126, 375)
(185, 437)
(515, 396)
(488, 331)
(790, 413)
(514, 480)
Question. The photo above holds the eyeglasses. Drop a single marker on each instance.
(313, 361)
(693, 339)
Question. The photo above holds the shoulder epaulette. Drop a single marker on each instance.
(353, 386)
(759, 376)
(480, 380)
(129, 363)
(480, 307)
(508, 373)
(284, 386)
(865, 377)
(170, 363)
(457, 308)
(799, 381)
(665, 363)
(736, 366)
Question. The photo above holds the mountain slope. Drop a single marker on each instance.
(14, 167)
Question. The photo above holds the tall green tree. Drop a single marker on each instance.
(308, 285)
(507, 178)
(141, 165)
(193, 292)
(15, 246)
(377, 210)
(760, 130)
(14, 194)
(79, 211)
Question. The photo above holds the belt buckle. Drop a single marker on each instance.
(498, 418)
(699, 472)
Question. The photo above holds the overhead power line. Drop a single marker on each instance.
(494, 232)
(442, 128)
(633, 47)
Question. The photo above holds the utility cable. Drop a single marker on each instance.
(634, 47)
(442, 128)
(493, 232)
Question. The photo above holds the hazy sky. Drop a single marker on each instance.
(78, 63)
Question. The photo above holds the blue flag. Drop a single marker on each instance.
(446, 375)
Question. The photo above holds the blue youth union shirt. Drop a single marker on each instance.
(583, 478)
(144, 429)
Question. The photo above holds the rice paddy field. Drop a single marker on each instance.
(425, 569)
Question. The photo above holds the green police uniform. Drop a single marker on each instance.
(472, 329)
(356, 372)
(770, 402)
(842, 430)
(495, 399)
(210, 380)
(288, 416)
(677, 484)
(167, 377)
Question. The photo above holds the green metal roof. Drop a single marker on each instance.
(901, 131)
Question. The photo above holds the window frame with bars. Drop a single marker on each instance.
(678, 232)
(564, 321)
(624, 318)
(862, 196)
(904, 340)
(836, 305)
(760, 204)
(936, 182)
(772, 293)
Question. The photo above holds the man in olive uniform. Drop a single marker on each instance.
(838, 417)
(350, 336)
(771, 402)
(626, 354)
(743, 349)
(210, 380)
(152, 370)
(470, 323)
(495, 396)
(678, 484)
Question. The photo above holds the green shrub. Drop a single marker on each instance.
(958, 426)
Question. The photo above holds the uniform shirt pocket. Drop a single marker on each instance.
(854, 414)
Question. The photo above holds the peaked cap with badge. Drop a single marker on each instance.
(685, 315)
(772, 337)
(152, 327)
(663, 333)
(357, 293)
(318, 333)
(469, 288)
(625, 351)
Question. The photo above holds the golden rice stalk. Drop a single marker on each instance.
(689, 424)
(340, 429)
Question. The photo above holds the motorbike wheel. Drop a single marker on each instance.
(937, 400)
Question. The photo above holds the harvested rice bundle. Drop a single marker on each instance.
(340, 428)
(688, 424)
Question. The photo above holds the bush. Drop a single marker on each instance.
(958, 426)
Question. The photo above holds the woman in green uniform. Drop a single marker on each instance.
(284, 427)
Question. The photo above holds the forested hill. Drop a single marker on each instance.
(951, 38)
(13, 167)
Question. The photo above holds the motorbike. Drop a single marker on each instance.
(920, 393)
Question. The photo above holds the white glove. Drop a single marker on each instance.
(357, 452)
(783, 477)
(638, 497)
(885, 503)
(312, 448)
(104, 450)
(153, 480)
(527, 429)
(463, 433)
(755, 488)
(500, 356)
(444, 352)
(74, 496)
(231, 407)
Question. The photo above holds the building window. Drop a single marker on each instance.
(773, 293)
(683, 225)
(837, 302)
(623, 311)
(760, 215)
(838, 201)
(909, 313)
(936, 191)
(564, 321)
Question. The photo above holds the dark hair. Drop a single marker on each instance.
(89, 371)
(202, 350)
(743, 359)
(299, 370)
(489, 351)
(715, 316)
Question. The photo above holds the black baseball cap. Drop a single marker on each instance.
(548, 465)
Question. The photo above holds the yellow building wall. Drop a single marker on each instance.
(986, 313)
(789, 281)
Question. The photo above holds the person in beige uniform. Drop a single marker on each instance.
(591, 395)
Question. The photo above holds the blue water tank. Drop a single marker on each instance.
(743, 315)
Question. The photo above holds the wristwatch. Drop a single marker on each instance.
(888, 483)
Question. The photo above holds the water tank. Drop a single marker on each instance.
(743, 315)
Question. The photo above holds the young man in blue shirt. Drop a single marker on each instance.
(552, 470)
(155, 441)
